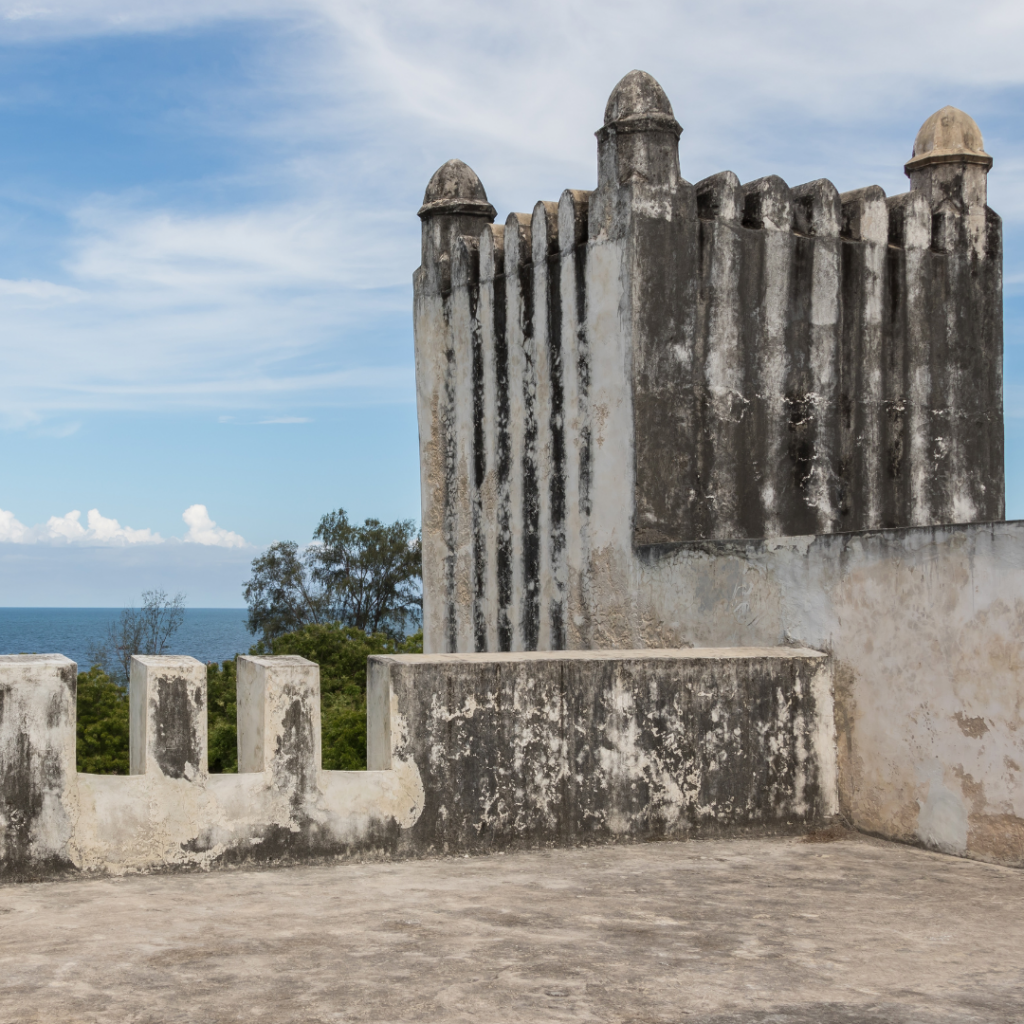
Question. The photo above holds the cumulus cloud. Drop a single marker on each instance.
(11, 531)
(100, 531)
(203, 530)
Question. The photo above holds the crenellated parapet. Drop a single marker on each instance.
(465, 755)
(658, 362)
(171, 812)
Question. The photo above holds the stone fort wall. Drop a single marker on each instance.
(721, 360)
(663, 415)
(712, 490)
(466, 755)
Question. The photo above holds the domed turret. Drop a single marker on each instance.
(948, 136)
(639, 139)
(455, 189)
(950, 169)
(639, 98)
(454, 203)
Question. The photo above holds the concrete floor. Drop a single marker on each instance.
(772, 930)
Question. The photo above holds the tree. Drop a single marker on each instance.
(371, 570)
(281, 594)
(147, 630)
(363, 576)
(222, 716)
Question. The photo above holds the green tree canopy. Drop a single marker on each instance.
(364, 576)
(281, 594)
(372, 570)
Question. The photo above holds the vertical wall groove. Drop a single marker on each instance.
(550, 439)
(572, 245)
(495, 541)
(464, 491)
(522, 389)
(862, 409)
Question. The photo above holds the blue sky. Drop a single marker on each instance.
(208, 231)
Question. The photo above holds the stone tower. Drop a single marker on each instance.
(655, 363)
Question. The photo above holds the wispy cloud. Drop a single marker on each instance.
(274, 282)
(285, 419)
(43, 292)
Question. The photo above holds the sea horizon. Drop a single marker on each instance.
(207, 634)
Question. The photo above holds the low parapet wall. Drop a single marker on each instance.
(171, 813)
(562, 747)
(467, 753)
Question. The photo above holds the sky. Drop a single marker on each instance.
(208, 231)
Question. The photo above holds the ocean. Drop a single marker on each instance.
(209, 634)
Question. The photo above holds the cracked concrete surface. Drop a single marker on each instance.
(758, 930)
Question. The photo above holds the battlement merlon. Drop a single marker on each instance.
(715, 360)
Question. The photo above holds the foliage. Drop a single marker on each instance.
(282, 595)
(102, 724)
(221, 716)
(147, 630)
(370, 569)
(362, 576)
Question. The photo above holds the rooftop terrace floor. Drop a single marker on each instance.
(765, 930)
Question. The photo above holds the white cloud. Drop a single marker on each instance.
(11, 531)
(161, 306)
(41, 291)
(69, 18)
(203, 530)
(285, 419)
(173, 310)
(99, 531)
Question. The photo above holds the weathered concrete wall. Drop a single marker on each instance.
(37, 763)
(926, 629)
(528, 749)
(659, 370)
(729, 360)
(466, 754)
(170, 813)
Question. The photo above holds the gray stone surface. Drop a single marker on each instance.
(171, 813)
(37, 762)
(712, 932)
(520, 750)
(167, 702)
(466, 752)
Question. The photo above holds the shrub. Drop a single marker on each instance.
(102, 724)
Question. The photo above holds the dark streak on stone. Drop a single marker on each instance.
(554, 335)
(176, 741)
(530, 612)
(504, 466)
